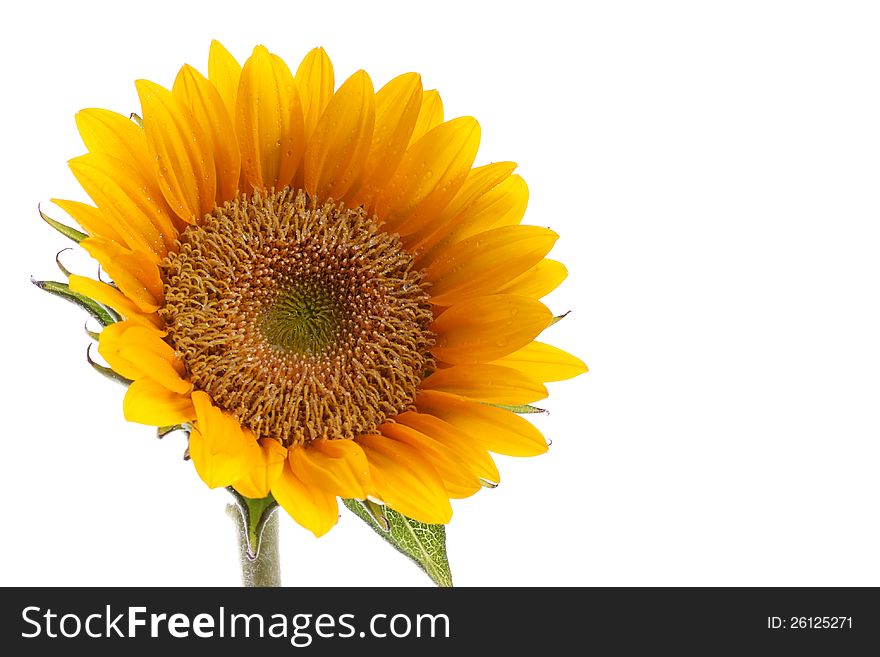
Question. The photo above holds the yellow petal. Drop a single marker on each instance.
(113, 134)
(110, 296)
(93, 221)
(544, 362)
(430, 115)
(397, 108)
(485, 262)
(314, 77)
(155, 358)
(132, 203)
(481, 329)
(503, 205)
(337, 467)
(430, 174)
(224, 73)
(264, 471)
(405, 481)
(181, 149)
(133, 272)
(538, 281)
(479, 182)
(312, 508)
(488, 383)
(495, 429)
(468, 453)
(338, 148)
(109, 342)
(220, 449)
(136, 351)
(147, 402)
(458, 480)
(268, 121)
(209, 111)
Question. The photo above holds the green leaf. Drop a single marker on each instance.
(68, 232)
(522, 409)
(95, 309)
(256, 514)
(424, 544)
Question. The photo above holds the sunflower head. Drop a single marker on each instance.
(318, 283)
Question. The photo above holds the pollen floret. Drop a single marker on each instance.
(304, 321)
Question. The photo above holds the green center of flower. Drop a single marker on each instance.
(305, 321)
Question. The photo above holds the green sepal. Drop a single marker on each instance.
(137, 119)
(522, 409)
(558, 318)
(68, 232)
(256, 514)
(161, 432)
(95, 309)
(424, 544)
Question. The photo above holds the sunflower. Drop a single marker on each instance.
(318, 284)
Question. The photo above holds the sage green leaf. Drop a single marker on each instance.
(255, 514)
(424, 544)
(68, 232)
(95, 309)
(522, 409)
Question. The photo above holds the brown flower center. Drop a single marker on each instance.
(304, 321)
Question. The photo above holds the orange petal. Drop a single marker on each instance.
(489, 383)
(337, 467)
(405, 481)
(397, 108)
(181, 149)
(209, 111)
(268, 121)
(457, 477)
(93, 221)
(312, 508)
(495, 429)
(110, 296)
(485, 262)
(430, 115)
(113, 134)
(147, 402)
(133, 204)
(220, 449)
(314, 77)
(136, 275)
(544, 362)
(538, 281)
(430, 174)
(224, 73)
(468, 453)
(481, 329)
(339, 146)
(264, 471)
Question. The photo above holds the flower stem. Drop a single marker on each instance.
(264, 567)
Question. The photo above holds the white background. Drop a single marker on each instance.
(712, 169)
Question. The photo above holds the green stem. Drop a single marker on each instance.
(264, 567)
